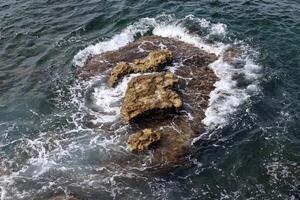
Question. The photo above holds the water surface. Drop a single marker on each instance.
(251, 147)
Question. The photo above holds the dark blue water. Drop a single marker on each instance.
(47, 149)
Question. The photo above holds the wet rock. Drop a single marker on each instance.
(231, 54)
(149, 92)
(195, 80)
(151, 63)
(142, 140)
(120, 70)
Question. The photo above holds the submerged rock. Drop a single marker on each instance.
(149, 92)
(142, 140)
(151, 63)
(194, 82)
(231, 54)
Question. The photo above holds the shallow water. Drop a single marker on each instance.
(249, 151)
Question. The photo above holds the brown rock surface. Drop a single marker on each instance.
(120, 70)
(142, 140)
(150, 63)
(195, 82)
(153, 61)
(149, 92)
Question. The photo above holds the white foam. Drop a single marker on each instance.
(108, 100)
(119, 40)
(218, 29)
(202, 22)
(2, 193)
(170, 27)
(213, 28)
(181, 33)
(227, 97)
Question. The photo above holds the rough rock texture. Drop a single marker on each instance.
(120, 70)
(150, 92)
(195, 82)
(153, 61)
(150, 63)
(142, 140)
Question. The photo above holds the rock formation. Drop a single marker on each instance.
(194, 82)
(142, 140)
(120, 70)
(151, 63)
(150, 92)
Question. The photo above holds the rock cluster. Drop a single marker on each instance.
(151, 63)
(150, 100)
(146, 93)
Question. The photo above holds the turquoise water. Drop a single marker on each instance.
(250, 151)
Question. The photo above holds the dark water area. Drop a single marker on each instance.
(46, 149)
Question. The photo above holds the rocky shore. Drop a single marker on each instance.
(167, 104)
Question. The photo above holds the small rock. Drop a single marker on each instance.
(120, 70)
(151, 63)
(150, 92)
(142, 140)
